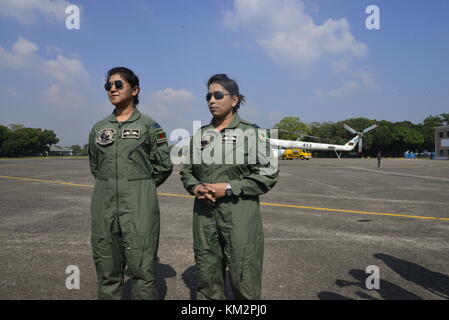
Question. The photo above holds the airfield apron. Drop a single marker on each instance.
(230, 234)
(128, 160)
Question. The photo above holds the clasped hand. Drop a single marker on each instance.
(210, 192)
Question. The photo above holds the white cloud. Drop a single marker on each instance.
(362, 79)
(68, 71)
(288, 33)
(67, 78)
(367, 78)
(23, 55)
(63, 97)
(341, 65)
(347, 88)
(27, 11)
(173, 96)
(169, 102)
(52, 50)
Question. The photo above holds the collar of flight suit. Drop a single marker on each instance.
(234, 123)
(134, 116)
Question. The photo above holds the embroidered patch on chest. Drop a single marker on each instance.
(105, 137)
(131, 134)
(206, 140)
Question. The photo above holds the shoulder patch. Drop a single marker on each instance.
(263, 135)
(160, 137)
(155, 126)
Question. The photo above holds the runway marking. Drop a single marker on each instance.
(354, 211)
(262, 203)
(401, 174)
(42, 180)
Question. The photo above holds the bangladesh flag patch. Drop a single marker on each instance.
(263, 135)
(160, 137)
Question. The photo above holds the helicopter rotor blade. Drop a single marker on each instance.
(350, 129)
(369, 128)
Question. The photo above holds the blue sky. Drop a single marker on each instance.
(311, 59)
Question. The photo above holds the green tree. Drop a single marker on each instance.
(406, 137)
(28, 141)
(292, 124)
(76, 149)
(15, 126)
(4, 134)
(445, 118)
(382, 139)
(428, 130)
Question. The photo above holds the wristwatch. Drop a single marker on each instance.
(228, 190)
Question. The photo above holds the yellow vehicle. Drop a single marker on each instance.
(296, 154)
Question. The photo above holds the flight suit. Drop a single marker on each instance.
(128, 160)
(229, 234)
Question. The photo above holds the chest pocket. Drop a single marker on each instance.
(138, 156)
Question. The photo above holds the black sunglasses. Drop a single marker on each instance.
(218, 95)
(118, 85)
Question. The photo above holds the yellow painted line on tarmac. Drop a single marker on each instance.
(353, 211)
(263, 203)
(174, 195)
(42, 180)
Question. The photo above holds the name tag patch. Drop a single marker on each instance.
(229, 138)
(131, 134)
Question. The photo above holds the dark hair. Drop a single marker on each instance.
(129, 76)
(230, 86)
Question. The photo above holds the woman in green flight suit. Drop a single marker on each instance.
(129, 158)
(227, 226)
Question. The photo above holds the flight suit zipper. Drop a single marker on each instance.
(116, 167)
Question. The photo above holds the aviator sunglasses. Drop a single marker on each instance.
(218, 95)
(118, 85)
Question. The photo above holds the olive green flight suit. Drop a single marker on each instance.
(128, 160)
(230, 234)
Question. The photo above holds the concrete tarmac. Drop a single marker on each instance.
(325, 223)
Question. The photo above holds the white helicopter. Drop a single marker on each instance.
(282, 145)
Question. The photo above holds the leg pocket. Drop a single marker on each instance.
(246, 272)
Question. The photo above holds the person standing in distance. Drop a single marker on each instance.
(227, 226)
(379, 158)
(129, 158)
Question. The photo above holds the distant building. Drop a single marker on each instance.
(442, 143)
(60, 151)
